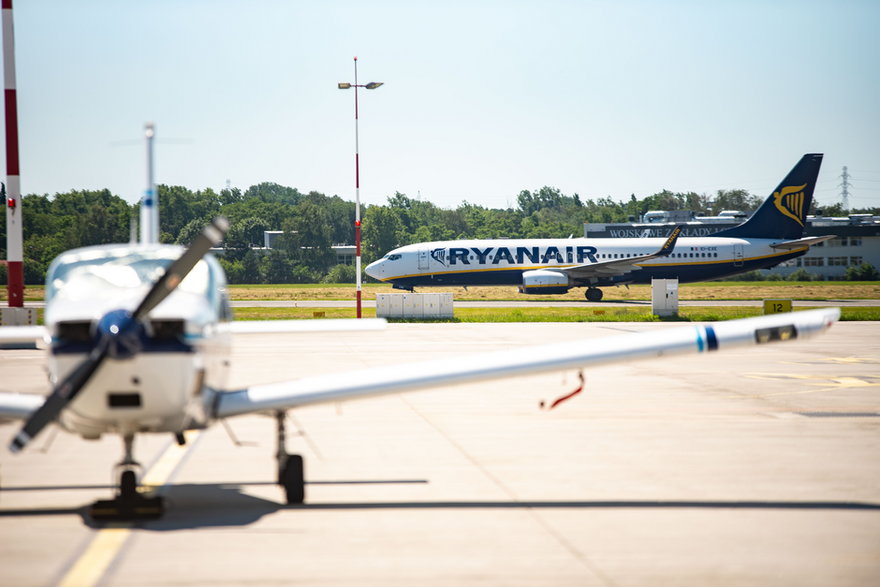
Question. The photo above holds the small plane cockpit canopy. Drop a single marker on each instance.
(81, 272)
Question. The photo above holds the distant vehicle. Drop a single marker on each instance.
(773, 234)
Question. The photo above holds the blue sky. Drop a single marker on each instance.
(481, 100)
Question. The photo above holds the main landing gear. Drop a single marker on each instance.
(129, 503)
(291, 474)
(593, 294)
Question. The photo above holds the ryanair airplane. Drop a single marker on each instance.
(773, 234)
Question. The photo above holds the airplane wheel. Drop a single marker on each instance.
(292, 477)
(593, 294)
(128, 485)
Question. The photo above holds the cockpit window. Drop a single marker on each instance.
(120, 269)
(394, 257)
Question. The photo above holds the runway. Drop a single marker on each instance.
(755, 466)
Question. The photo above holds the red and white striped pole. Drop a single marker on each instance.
(357, 196)
(357, 179)
(14, 247)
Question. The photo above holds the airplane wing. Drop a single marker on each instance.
(803, 242)
(532, 359)
(23, 334)
(294, 326)
(19, 406)
(620, 266)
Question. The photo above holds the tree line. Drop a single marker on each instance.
(313, 222)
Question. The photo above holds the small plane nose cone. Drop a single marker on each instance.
(122, 334)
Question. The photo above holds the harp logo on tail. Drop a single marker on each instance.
(790, 201)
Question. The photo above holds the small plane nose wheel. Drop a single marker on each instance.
(129, 503)
(291, 470)
(128, 485)
(593, 294)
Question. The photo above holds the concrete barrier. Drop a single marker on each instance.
(414, 305)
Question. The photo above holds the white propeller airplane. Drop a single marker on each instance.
(138, 339)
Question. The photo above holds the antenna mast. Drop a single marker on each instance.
(844, 191)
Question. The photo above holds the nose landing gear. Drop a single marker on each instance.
(129, 503)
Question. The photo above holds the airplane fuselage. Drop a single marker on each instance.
(182, 352)
(503, 261)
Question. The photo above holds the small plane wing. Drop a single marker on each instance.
(803, 242)
(19, 406)
(531, 359)
(23, 334)
(294, 326)
(620, 266)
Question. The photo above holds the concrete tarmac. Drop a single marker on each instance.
(751, 467)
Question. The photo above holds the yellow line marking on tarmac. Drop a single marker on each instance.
(162, 469)
(822, 383)
(94, 562)
(89, 569)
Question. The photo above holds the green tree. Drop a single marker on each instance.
(250, 268)
(863, 272)
(247, 232)
(802, 275)
(735, 200)
(277, 267)
(273, 194)
(341, 274)
(309, 237)
(381, 231)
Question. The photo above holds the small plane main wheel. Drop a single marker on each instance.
(128, 485)
(292, 478)
(593, 294)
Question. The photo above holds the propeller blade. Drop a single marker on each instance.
(211, 236)
(60, 396)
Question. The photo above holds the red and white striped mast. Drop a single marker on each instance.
(357, 180)
(14, 247)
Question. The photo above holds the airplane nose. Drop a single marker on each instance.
(373, 269)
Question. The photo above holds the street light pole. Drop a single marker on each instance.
(357, 179)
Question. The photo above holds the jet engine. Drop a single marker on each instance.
(545, 281)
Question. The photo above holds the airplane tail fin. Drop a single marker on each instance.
(783, 214)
